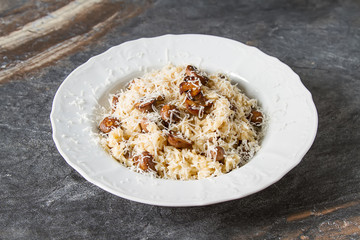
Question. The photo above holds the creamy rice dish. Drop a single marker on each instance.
(182, 123)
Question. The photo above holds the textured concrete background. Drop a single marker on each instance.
(43, 197)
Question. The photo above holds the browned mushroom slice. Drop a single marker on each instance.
(144, 124)
(108, 123)
(127, 154)
(162, 124)
(146, 104)
(256, 117)
(145, 161)
(202, 100)
(178, 142)
(193, 108)
(204, 80)
(192, 87)
(114, 102)
(218, 154)
(160, 98)
(190, 70)
(193, 71)
(170, 114)
(198, 106)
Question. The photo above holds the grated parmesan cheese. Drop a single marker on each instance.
(226, 125)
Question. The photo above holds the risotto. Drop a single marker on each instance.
(182, 123)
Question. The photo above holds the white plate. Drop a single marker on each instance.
(291, 129)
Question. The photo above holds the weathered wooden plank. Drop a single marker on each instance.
(54, 21)
(44, 40)
(325, 227)
(15, 14)
(308, 213)
(337, 228)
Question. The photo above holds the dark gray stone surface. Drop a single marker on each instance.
(43, 197)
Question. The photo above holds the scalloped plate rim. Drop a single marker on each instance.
(89, 178)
